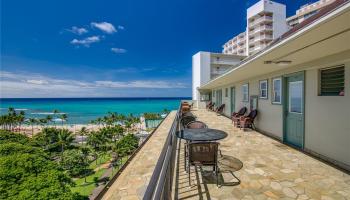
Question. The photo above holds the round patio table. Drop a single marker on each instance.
(205, 134)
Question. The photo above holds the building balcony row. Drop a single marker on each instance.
(260, 20)
(260, 29)
(259, 38)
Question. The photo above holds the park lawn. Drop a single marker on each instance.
(86, 188)
(100, 161)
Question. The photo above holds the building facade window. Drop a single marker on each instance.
(245, 92)
(263, 89)
(277, 90)
(332, 81)
(204, 97)
(226, 92)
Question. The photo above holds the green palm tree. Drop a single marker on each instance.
(42, 122)
(128, 125)
(20, 119)
(95, 140)
(32, 122)
(83, 132)
(85, 152)
(65, 139)
(55, 112)
(49, 118)
(63, 118)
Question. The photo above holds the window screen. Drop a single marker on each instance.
(332, 81)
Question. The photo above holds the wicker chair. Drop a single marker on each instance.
(248, 121)
(192, 125)
(187, 119)
(211, 107)
(220, 109)
(236, 116)
(208, 105)
(203, 154)
(196, 124)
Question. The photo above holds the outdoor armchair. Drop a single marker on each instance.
(211, 107)
(248, 121)
(236, 116)
(196, 124)
(220, 109)
(208, 105)
(203, 154)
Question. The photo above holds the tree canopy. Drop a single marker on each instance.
(26, 172)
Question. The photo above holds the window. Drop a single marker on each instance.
(204, 97)
(214, 93)
(226, 92)
(263, 89)
(295, 97)
(276, 90)
(218, 97)
(332, 81)
(245, 92)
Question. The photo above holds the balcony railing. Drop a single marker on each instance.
(259, 20)
(161, 182)
(260, 38)
(260, 28)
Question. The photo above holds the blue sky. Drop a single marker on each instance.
(112, 48)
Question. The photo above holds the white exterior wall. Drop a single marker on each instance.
(279, 15)
(327, 118)
(200, 72)
(279, 19)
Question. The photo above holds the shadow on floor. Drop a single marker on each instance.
(202, 177)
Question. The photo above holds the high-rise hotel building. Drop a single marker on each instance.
(266, 20)
(307, 11)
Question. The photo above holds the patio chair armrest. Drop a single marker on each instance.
(246, 119)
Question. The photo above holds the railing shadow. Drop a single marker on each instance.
(203, 176)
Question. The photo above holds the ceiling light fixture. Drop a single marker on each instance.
(280, 62)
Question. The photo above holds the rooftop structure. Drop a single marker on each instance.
(207, 66)
(265, 22)
(299, 86)
(237, 45)
(306, 11)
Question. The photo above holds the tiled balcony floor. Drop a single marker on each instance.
(266, 169)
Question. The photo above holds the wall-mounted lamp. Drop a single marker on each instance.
(280, 62)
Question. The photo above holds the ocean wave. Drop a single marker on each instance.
(20, 109)
(46, 113)
(58, 120)
(16, 109)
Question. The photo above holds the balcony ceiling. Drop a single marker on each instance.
(329, 37)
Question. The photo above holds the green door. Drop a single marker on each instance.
(233, 97)
(218, 97)
(294, 109)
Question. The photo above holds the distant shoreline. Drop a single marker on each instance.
(124, 98)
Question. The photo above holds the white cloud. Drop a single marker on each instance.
(77, 30)
(35, 85)
(121, 27)
(86, 41)
(37, 82)
(118, 50)
(104, 26)
(139, 84)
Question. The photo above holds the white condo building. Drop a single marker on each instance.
(307, 11)
(207, 66)
(266, 20)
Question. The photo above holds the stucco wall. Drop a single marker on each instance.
(200, 72)
(327, 119)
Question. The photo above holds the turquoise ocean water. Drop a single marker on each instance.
(83, 110)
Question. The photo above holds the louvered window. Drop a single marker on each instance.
(332, 81)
